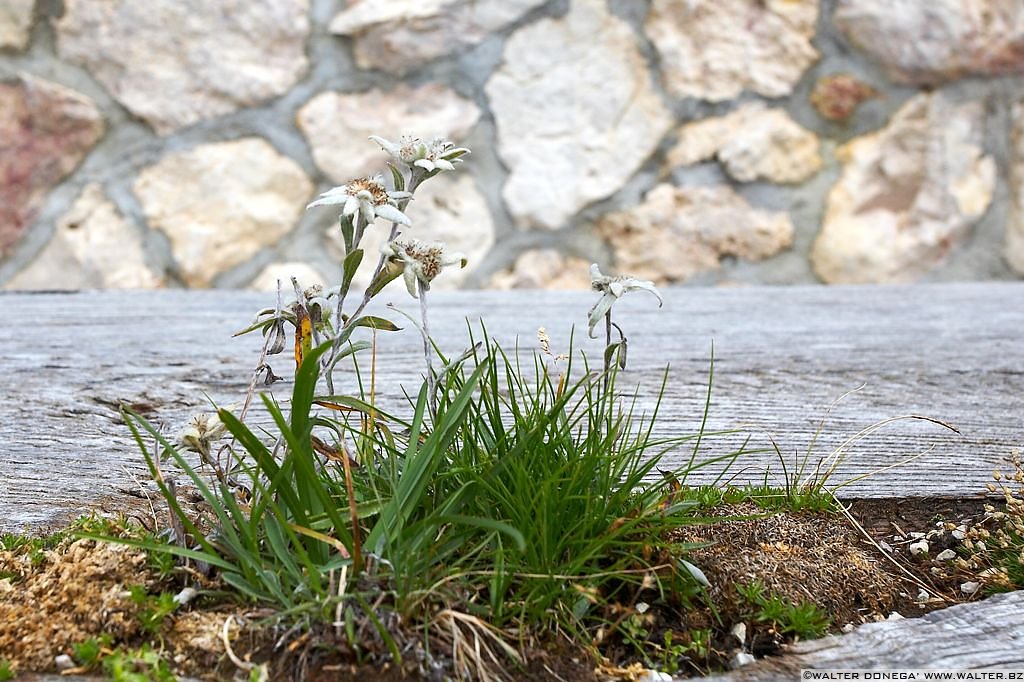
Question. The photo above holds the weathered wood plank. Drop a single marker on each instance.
(983, 635)
(952, 352)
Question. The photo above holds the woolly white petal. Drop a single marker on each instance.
(425, 164)
(389, 212)
(410, 279)
(325, 201)
(351, 206)
(444, 164)
(366, 209)
(340, 189)
(644, 285)
(391, 148)
(600, 309)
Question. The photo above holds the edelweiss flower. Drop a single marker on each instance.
(438, 154)
(318, 301)
(368, 197)
(612, 289)
(201, 432)
(423, 261)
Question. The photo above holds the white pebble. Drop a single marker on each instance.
(886, 547)
(739, 631)
(848, 628)
(970, 587)
(654, 676)
(895, 615)
(63, 662)
(185, 596)
(741, 659)
(916, 536)
(919, 548)
(923, 596)
(945, 555)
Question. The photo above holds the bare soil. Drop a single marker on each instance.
(79, 590)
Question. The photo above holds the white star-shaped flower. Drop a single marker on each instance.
(612, 288)
(367, 197)
(438, 154)
(421, 261)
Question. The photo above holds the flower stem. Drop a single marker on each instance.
(427, 354)
(607, 343)
(415, 179)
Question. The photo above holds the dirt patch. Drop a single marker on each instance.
(65, 596)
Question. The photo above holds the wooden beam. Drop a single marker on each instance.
(952, 352)
(983, 635)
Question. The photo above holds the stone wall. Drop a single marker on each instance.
(177, 142)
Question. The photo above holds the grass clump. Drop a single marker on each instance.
(522, 506)
(767, 497)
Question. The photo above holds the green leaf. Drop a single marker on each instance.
(157, 546)
(347, 232)
(349, 267)
(609, 352)
(357, 405)
(488, 524)
(397, 176)
(421, 462)
(376, 323)
(303, 390)
(697, 574)
(388, 274)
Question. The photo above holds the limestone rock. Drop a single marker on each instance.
(175, 62)
(716, 50)
(544, 269)
(45, 131)
(908, 194)
(575, 119)
(931, 42)
(15, 23)
(94, 248)
(677, 232)
(305, 273)
(400, 35)
(752, 143)
(1015, 225)
(221, 203)
(447, 208)
(837, 96)
(337, 125)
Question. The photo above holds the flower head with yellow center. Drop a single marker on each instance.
(421, 261)
(367, 197)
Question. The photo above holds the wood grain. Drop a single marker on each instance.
(953, 352)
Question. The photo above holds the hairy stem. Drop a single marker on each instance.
(427, 354)
(607, 342)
